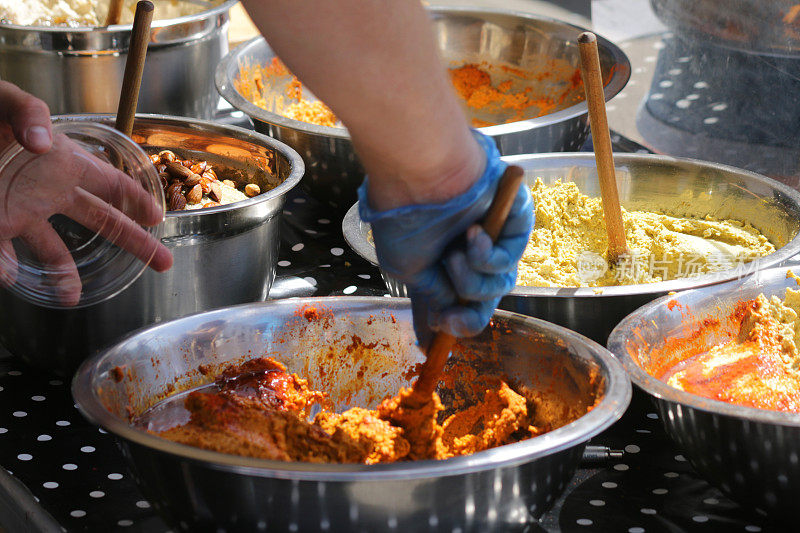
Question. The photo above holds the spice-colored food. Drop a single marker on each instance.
(190, 184)
(505, 101)
(257, 409)
(759, 368)
(568, 244)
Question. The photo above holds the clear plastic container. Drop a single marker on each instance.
(80, 223)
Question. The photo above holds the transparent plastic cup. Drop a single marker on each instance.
(80, 223)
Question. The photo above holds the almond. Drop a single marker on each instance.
(176, 170)
(216, 191)
(195, 194)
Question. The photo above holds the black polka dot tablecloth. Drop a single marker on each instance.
(58, 472)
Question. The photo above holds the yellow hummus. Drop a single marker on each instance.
(568, 243)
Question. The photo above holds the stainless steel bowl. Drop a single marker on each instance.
(751, 454)
(223, 255)
(494, 490)
(79, 70)
(657, 180)
(497, 36)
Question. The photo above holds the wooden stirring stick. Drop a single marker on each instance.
(595, 99)
(114, 12)
(134, 66)
(443, 342)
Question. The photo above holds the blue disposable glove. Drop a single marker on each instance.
(441, 254)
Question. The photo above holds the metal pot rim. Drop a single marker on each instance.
(351, 228)
(121, 28)
(610, 408)
(661, 390)
(228, 66)
(296, 162)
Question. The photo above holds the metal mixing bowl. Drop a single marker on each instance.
(660, 181)
(472, 35)
(223, 255)
(751, 454)
(495, 490)
(79, 70)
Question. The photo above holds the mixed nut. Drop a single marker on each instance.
(188, 183)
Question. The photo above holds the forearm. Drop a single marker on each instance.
(375, 63)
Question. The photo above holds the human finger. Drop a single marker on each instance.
(61, 273)
(102, 218)
(8, 264)
(467, 320)
(477, 286)
(28, 116)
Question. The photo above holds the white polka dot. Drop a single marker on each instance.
(674, 71)
(324, 221)
(670, 474)
(62, 423)
(680, 458)
(700, 518)
(656, 96)
(364, 276)
(77, 513)
(297, 247)
(143, 504)
(97, 494)
(609, 485)
(324, 266)
(647, 510)
(3, 430)
(103, 431)
(711, 501)
(19, 414)
(38, 398)
(621, 467)
(310, 281)
(636, 530)
(665, 84)
(337, 251)
(114, 476)
(299, 200)
(752, 529)
(719, 107)
(287, 212)
(69, 466)
(660, 491)
(284, 263)
(1, 389)
(658, 45)
(584, 522)
(311, 232)
(700, 85)
(14, 373)
(87, 449)
(56, 382)
(43, 438)
(349, 290)
(710, 120)
(24, 457)
(643, 431)
(597, 503)
(127, 523)
(652, 415)
(50, 485)
(683, 104)
(632, 448)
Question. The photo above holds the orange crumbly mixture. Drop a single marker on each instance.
(759, 368)
(259, 410)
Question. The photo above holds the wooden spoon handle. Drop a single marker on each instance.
(114, 12)
(601, 138)
(442, 342)
(134, 66)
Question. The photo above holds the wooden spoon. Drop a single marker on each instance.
(134, 66)
(595, 99)
(114, 12)
(442, 342)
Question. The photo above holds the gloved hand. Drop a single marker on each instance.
(441, 253)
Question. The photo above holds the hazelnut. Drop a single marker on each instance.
(251, 189)
(167, 156)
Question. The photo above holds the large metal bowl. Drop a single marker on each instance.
(771, 207)
(223, 255)
(497, 36)
(751, 454)
(79, 70)
(495, 490)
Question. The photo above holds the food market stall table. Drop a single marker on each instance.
(59, 471)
